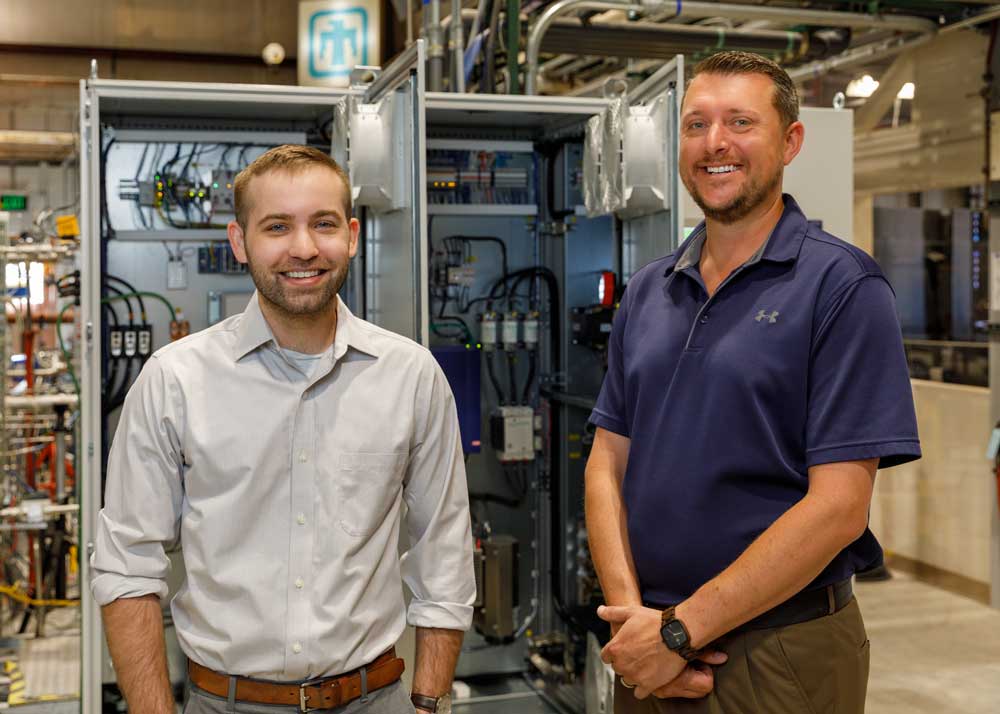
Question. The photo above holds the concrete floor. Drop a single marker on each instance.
(932, 652)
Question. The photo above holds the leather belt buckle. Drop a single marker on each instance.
(304, 698)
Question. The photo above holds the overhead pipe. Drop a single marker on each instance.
(858, 55)
(886, 48)
(648, 40)
(435, 45)
(457, 47)
(692, 9)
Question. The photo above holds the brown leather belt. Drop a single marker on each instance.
(325, 693)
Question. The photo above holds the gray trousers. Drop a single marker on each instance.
(393, 699)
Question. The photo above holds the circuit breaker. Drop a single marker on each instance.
(512, 433)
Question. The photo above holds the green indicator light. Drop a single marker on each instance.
(215, 184)
(468, 346)
(479, 345)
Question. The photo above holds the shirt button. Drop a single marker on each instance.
(301, 519)
(303, 456)
(296, 648)
(704, 319)
(299, 582)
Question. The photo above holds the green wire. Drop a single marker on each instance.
(62, 346)
(123, 296)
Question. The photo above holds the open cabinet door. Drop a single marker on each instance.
(630, 166)
(380, 139)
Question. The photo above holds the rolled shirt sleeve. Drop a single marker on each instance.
(860, 397)
(143, 495)
(438, 566)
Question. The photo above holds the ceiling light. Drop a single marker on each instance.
(862, 88)
(907, 91)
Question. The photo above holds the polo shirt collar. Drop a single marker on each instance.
(253, 332)
(782, 245)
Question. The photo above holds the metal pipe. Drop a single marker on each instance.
(39, 592)
(859, 55)
(793, 16)
(513, 45)
(435, 45)
(457, 48)
(649, 40)
(61, 434)
(692, 9)
(990, 13)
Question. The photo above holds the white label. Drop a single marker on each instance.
(177, 275)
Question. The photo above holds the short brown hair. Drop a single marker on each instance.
(786, 99)
(289, 157)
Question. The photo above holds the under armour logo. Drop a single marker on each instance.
(763, 315)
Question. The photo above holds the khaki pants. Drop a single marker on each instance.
(814, 667)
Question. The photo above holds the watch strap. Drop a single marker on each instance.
(421, 701)
(686, 650)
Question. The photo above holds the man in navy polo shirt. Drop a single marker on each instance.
(756, 380)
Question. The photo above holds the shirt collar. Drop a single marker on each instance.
(782, 245)
(253, 332)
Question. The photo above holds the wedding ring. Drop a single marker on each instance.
(627, 685)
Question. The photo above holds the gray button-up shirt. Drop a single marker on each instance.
(286, 492)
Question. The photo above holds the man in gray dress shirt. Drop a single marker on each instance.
(279, 446)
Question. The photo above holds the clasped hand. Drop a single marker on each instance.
(637, 653)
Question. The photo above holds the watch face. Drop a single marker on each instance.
(674, 635)
(444, 704)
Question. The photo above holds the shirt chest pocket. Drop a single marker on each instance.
(366, 486)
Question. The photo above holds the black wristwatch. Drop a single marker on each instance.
(438, 705)
(675, 635)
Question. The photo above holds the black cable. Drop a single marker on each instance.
(114, 393)
(491, 373)
(486, 239)
(107, 230)
(130, 288)
(532, 360)
(554, 322)
(512, 376)
(110, 366)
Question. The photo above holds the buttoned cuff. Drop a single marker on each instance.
(108, 587)
(444, 615)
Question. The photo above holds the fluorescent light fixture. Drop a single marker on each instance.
(861, 88)
(907, 91)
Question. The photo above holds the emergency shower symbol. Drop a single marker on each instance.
(338, 41)
(770, 317)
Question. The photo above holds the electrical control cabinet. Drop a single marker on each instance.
(157, 176)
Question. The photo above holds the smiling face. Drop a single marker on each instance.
(298, 243)
(734, 145)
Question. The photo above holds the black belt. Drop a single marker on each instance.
(807, 605)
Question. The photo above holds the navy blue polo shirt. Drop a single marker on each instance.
(797, 360)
